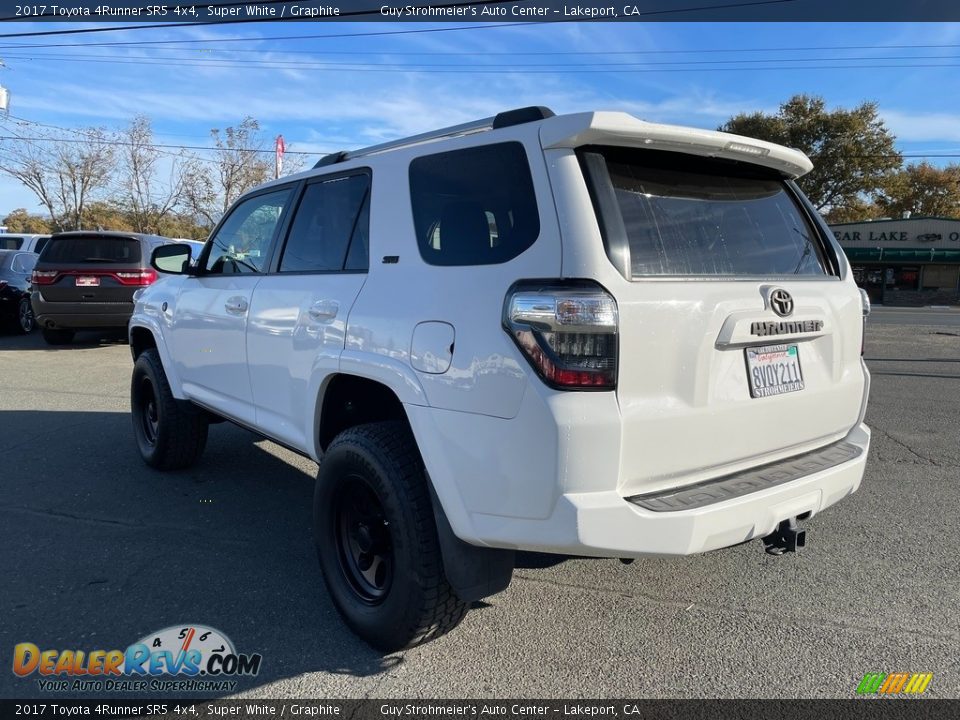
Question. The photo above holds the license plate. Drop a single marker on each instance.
(84, 281)
(773, 370)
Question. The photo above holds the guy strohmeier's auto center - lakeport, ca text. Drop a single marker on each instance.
(254, 10)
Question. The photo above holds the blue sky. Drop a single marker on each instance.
(358, 99)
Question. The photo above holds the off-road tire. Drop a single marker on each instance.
(419, 605)
(57, 337)
(171, 434)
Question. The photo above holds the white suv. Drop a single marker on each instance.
(582, 334)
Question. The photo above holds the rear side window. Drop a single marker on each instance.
(93, 249)
(41, 244)
(330, 221)
(10, 243)
(474, 206)
(675, 214)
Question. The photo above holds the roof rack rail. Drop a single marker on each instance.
(500, 120)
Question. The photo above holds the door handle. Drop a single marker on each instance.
(236, 305)
(324, 310)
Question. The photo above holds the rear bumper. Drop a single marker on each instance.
(607, 525)
(80, 315)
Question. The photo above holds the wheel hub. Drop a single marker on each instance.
(363, 541)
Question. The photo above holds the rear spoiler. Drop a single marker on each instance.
(622, 129)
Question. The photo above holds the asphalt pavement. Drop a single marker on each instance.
(98, 550)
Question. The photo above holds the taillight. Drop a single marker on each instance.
(567, 331)
(140, 277)
(44, 277)
(865, 307)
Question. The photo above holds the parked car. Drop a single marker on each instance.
(581, 335)
(15, 308)
(29, 242)
(85, 280)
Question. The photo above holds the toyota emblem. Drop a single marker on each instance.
(781, 302)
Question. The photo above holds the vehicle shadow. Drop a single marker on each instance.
(100, 550)
(12, 340)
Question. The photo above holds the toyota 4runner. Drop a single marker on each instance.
(582, 334)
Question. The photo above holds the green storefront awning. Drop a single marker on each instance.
(901, 255)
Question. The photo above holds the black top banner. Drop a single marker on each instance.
(526, 11)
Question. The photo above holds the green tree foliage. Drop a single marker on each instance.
(22, 221)
(922, 189)
(852, 151)
(856, 211)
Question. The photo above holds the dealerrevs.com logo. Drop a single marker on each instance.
(180, 658)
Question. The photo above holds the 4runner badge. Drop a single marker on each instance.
(785, 328)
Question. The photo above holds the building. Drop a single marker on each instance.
(908, 261)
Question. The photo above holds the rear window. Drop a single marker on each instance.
(10, 243)
(474, 206)
(667, 213)
(92, 249)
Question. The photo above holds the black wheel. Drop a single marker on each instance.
(57, 337)
(25, 320)
(377, 540)
(170, 433)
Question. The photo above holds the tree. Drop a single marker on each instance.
(148, 202)
(22, 221)
(922, 189)
(852, 151)
(856, 211)
(240, 162)
(64, 174)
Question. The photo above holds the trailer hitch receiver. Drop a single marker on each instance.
(786, 538)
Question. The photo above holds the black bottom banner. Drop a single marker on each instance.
(893, 708)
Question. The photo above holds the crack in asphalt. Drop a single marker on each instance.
(685, 605)
(194, 533)
(897, 441)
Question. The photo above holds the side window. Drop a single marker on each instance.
(475, 206)
(23, 263)
(41, 244)
(330, 230)
(10, 243)
(242, 243)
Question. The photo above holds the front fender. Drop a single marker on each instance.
(147, 315)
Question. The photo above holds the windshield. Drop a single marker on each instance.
(676, 214)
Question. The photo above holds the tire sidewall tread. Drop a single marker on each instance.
(420, 605)
(182, 431)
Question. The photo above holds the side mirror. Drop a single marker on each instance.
(173, 259)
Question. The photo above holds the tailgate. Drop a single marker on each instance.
(739, 342)
(688, 412)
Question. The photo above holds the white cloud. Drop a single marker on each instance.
(922, 127)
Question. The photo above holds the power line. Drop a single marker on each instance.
(285, 64)
(524, 53)
(103, 141)
(907, 156)
(211, 41)
(238, 21)
(485, 70)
